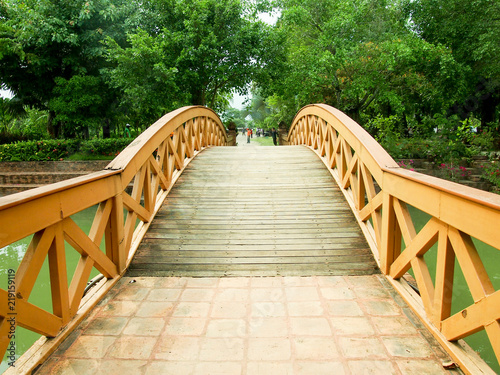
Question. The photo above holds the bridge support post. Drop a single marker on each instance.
(390, 236)
(115, 238)
(231, 139)
(283, 134)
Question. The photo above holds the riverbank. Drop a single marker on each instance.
(16, 176)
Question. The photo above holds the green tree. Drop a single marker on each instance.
(361, 58)
(44, 42)
(80, 104)
(471, 29)
(188, 52)
(235, 115)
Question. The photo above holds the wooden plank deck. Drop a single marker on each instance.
(254, 211)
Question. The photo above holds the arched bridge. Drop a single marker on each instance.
(236, 211)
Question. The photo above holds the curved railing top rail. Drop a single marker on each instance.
(360, 140)
(357, 137)
(379, 193)
(386, 163)
(150, 166)
(145, 144)
(382, 165)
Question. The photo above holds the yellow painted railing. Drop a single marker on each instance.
(150, 165)
(379, 193)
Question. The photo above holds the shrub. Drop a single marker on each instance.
(45, 150)
(54, 149)
(105, 147)
(491, 172)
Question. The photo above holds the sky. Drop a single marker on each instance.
(5, 93)
(237, 100)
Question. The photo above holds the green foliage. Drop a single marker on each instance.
(235, 115)
(186, 52)
(45, 150)
(491, 172)
(484, 140)
(79, 104)
(471, 30)
(382, 128)
(366, 59)
(21, 124)
(105, 147)
(145, 72)
(54, 149)
(47, 42)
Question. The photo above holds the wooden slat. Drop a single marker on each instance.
(254, 211)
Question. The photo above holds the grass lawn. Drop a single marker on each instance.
(263, 141)
(82, 156)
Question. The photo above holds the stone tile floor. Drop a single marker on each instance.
(254, 325)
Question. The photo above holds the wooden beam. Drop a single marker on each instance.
(84, 245)
(474, 318)
(422, 242)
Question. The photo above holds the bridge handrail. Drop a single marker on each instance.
(379, 192)
(136, 181)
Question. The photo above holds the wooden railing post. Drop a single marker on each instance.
(391, 235)
(115, 239)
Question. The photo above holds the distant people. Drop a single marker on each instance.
(274, 134)
(249, 134)
(127, 131)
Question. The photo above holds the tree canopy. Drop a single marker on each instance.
(101, 63)
(363, 58)
(49, 45)
(190, 52)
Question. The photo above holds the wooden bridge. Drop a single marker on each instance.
(253, 215)
(329, 222)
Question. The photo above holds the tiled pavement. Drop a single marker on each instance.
(255, 325)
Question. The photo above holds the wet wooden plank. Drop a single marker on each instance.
(254, 212)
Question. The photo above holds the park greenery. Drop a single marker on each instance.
(422, 76)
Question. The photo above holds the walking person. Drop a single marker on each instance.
(249, 133)
(274, 134)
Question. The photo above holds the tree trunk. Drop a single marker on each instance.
(354, 114)
(106, 129)
(52, 127)
(488, 107)
(198, 97)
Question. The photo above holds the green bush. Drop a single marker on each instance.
(54, 149)
(406, 148)
(105, 147)
(45, 150)
(491, 172)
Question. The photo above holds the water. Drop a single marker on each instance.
(40, 296)
(461, 295)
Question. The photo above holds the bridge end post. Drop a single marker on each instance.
(283, 134)
(231, 139)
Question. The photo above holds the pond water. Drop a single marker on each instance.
(461, 295)
(12, 255)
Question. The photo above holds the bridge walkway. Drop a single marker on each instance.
(335, 318)
(254, 211)
(250, 326)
